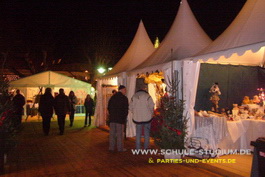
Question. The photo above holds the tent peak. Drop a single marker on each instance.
(140, 48)
(185, 37)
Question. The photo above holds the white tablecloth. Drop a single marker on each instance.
(254, 130)
(229, 134)
(236, 130)
(214, 129)
(242, 133)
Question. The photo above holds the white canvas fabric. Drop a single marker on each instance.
(184, 39)
(191, 71)
(99, 112)
(30, 86)
(49, 79)
(242, 43)
(140, 48)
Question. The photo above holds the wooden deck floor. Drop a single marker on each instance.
(84, 152)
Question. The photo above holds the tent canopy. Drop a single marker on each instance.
(184, 39)
(243, 41)
(140, 48)
(49, 79)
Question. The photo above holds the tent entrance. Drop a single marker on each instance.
(154, 83)
(107, 92)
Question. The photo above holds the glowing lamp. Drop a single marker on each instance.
(101, 70)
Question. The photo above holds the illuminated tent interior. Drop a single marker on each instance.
(240, 46)
(140, 48)
(30, 86)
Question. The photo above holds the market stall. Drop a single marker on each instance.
(184, 39)
(33, 86)
(140, 48)
(236, 61)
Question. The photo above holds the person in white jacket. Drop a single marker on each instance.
(142, 108)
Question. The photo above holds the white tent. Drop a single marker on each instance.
(140, 48)
(242, 43)
(184, 39)
(31, 85)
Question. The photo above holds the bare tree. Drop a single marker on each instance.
(100, 52)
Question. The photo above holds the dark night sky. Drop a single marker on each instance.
(106, 27)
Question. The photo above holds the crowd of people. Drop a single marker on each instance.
(141, 106)
(61, 104)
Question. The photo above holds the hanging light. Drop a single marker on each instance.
(101, 70)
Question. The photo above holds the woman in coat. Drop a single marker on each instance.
(89, 106)
(73, 101)
(46, 110)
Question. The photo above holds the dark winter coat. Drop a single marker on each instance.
(18, 103)
(89, 106)
(118, 108)
(46, 105)
(61, 104)
(73, 101)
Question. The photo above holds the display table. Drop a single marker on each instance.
(244, 131)
(79, 109)
(212, 128)
(236, 130)
(254, 129)
(224, 134)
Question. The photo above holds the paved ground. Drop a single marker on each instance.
(83, 152)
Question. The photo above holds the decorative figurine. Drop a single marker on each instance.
(215, 91)
(246, 100)
(256, 99)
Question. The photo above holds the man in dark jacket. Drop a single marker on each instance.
(118, 110)
(18, 103)
(62, 107)
(46, 109)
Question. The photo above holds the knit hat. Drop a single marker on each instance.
(121, 87)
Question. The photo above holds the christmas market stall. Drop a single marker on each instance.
(140, 48)
(231, 116)
(33, 86)
(184, 39)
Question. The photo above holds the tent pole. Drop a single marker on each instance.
(49, 78)
(182, 73)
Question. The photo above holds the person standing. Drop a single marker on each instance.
(46, 109)
(18, 103)
(118, 106)
(142, 108)
(89, 106)
(73, 101)
(62, 107)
